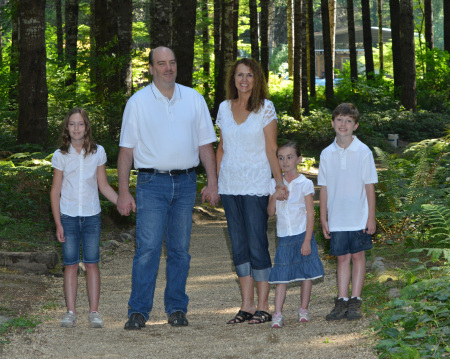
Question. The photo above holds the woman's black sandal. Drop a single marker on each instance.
(241, 317)
(260, 317)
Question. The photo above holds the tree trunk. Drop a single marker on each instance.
(161, 23)
(235, 28)
(304, 60)
(125, 44)
(59, 32)
(297, 92)
(206, 48)
(367, 39)
(254, 38)
(12, 91)
(71, 27)
(329, 93)
(290, 37)
(311, 50)
(394, 8)
(33, 110)
(265, 37)
(352, 41)
(183, 39)
(101, 31)
(218, 58)
(446, 25)
(409, 93)
(332, 12)
(429, 35)
(380, 35)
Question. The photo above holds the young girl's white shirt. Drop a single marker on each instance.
(79, 190)
(245, 169)
(291, 213)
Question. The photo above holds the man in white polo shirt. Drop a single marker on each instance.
(166, 129)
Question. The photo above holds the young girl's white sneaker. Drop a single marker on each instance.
(277, 321)
(69, 320)
(95, 320)
(303, 315)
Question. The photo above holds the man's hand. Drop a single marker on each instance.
(126, 203)
(210, 194)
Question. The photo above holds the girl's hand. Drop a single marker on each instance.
(306, 248)
(60, 234)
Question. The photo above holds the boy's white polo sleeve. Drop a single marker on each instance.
(369, 174)
(322, 176)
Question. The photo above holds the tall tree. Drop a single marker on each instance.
(332, 17)
(367, 39)
(290, 37)
(33, 93)
(235, 27)
(160, 23)
(304, 60)
(14, 54)
(254, 38)
(409, 91)
(124, 10)
(71, 16)
(218, 58)
(59, 31)
(446, 25)
(428, 15)
(328, 62)
(297, 92)
(311, 49)
(352, 41)
(183, 39)
(227, 35)
(264, 35)
(205, 46)
(394, 9)
(380, 34)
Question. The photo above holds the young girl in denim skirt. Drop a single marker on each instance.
(297, 258)
(79, 172)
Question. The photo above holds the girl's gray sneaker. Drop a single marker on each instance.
(277, 321)
(69, 320)
(95, 320)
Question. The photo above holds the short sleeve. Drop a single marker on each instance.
(206, 133)
(220, 115)
(369, 169)
(322, 176)
(308, 188)
(101, 155)
(129, 132)
(272, 186)
(269, 113)
(58, 160)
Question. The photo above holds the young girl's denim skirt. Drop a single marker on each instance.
(290, 265)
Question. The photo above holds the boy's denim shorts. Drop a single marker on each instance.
(84, 231)
(349, 242)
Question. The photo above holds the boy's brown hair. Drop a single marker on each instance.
(346, 109)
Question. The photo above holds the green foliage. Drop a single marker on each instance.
(405, 184)
(26, 323)
(278, 60)
(417, 324)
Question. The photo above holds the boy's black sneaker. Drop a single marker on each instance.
(354, 309)
(339, 311)
(135, 322)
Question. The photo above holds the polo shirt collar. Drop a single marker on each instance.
(159, 96)
(353, 146)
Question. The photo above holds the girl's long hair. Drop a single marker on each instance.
(259, 92)
(89, 145)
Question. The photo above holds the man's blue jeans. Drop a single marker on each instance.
(164, 209)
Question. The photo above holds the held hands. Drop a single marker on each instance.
(281, 192)
(125, 204)
(210, 194)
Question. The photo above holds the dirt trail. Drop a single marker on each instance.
(214, 298)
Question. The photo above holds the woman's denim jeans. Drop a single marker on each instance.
(247, 228)
(164, 210)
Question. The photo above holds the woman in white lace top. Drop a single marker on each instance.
(246, 158)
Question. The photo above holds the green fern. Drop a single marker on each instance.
(437, 217)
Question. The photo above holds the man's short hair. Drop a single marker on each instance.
(346, 109)
(151, 55)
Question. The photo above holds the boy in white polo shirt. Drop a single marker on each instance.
(347, 175)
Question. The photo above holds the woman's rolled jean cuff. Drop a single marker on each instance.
(259, 275)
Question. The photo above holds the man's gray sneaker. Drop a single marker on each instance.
(339, 311)
(69, 320)
(354, 309)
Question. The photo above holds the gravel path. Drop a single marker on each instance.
(214, 299)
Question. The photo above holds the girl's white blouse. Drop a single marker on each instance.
(79, 191)
(245, 169)
(291, 213)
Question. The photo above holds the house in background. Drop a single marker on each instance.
(342, 52)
